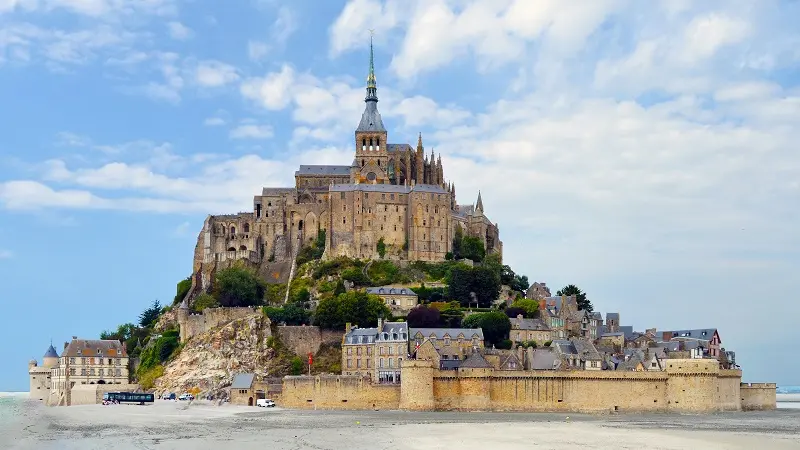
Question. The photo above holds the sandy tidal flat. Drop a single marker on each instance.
(178, 425)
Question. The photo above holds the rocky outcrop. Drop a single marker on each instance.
(209, 360)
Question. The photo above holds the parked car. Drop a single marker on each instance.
(265, 403)
(186, 396)
(170, 396)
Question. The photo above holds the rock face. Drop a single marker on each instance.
(209, 360)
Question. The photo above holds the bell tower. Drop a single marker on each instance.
(371, 158)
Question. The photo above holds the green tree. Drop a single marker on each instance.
(580, 297)
(457, 238)
(297, 366)
(381, 247)
(339, 288)
(472, 248)
(291, 314)
(204, 301)
(149, 316)
(459, 283)
(531, 307)
(452, 316)
(238, 286)
(182, 289)
(495, 326)
(486, 285)
(358, 308)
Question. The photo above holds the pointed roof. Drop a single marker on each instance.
(419, 141)
(479, 204)
(475, 361)
(51, 352)
(371, 118)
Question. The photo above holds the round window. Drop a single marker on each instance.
(371, 176)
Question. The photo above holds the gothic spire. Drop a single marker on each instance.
(419, 141)
(372, 85)
(479, 205)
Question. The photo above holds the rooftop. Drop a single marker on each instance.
(390, 291)
(94, 347)
(323, 170)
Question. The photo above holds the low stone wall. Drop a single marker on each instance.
(92, 394)
(337, 392)
(211, 318)
(758, 396)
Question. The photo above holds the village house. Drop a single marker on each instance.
(376, 353)
(400, 300)
(452, 344)
(707, 335)
(525, 330)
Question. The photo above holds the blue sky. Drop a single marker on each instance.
(645, 151)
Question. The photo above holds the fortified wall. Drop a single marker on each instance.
(303, 340)
(695, 385)
(758, 396)
(192, 324)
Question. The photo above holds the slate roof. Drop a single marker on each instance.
(269, 191)
(700, 333)
(390, 291)
(94, 347)
(398, 148)
(395, 327)
(402, 189)
(616, 333)
(612, 316)
(630, 364)
(361, 336)
(529, 324)
(51, 352)
(475, 361)
(452, 332)
(586, 350)
(671, 346)
(243, 381)
(323, 170)
(371, 118)
(597, 315)
(544, 360)
(628, 330)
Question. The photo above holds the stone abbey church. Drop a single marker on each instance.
(393, 192)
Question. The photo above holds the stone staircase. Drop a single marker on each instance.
(296, 245)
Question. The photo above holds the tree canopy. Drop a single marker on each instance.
(464, 280)
(580, 296)
(149, 316)
(182, 289)
(238, 286)
(357, 308)
(495, 326)
(423, 316)
(531, 307)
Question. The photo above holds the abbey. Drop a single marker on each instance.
(392, 194)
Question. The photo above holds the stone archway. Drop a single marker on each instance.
(250, 401)
(311, 226)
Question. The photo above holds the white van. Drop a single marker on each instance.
(265, 403)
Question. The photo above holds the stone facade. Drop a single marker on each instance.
(758, 396)
(390, 192)
(375, 353)
(697, 386)
(400, 300)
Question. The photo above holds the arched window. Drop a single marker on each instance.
(243, 248)
(247, 228)
(378, 142)
(233, 231)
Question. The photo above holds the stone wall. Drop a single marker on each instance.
(303, 340)
(689, 386)
(194, 324)
(337, 392)
(758, 396)
(92, 394)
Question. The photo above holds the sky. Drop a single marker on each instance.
(644, 151)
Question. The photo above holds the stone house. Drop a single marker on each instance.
(451, 343)
(544, 359)
(596, 327)
(524, 330)
(549, 313)
(243, 391)
(376, 353)
(615, 340)
(612, 322)
(538, 291)
(88, 361)
(400, 300)
(578, 353)
(709, 335)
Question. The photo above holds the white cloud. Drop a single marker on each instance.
(271, 91)
(215, 74)
(251, 131)
(179, 31)
(705, 35)
(214, 122)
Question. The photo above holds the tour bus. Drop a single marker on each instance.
(129, 397)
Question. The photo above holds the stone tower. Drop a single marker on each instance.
(371, 159)
(50, 359)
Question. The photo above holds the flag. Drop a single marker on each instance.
(310, 359)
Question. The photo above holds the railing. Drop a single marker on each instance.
(232, 255)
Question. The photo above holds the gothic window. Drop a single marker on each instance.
(233, 231)
(371, 176)
(363, 146)
(378, 143)
(247, 228)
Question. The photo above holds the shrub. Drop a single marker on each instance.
(505, 344)
(147, 378)
(238, 286)
(530, 306)
(358, 308)
(495, 326)
(381, 248)
(204, 301)
(291, 314)
(423, 317)
(297, 366)
(182, 289)
(356, 275)
(548, 343)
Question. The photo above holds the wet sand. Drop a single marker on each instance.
(178, 425)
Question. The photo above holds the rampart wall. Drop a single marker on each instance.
(303, 340)
(758, 396)
(337, 392)
(194, 324)
(688, 386)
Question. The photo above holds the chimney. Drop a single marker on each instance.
(65, 345)
(74, 337)
(542, 304)
(348, 327)
(519, 316)
(380, 323)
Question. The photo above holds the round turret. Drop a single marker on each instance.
(50, 358)
(32, 363)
